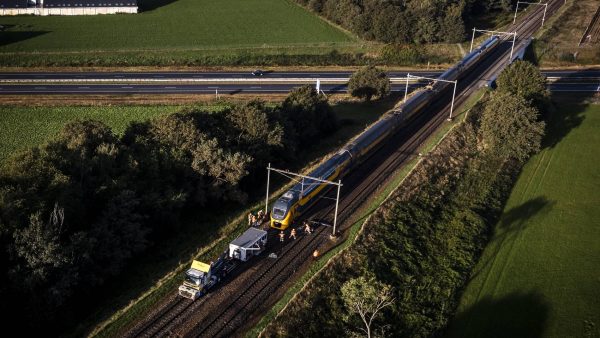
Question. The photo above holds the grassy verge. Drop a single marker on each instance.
(557, 45)
(30, 126)
(354, 229)
(538, 275)
(163, 272)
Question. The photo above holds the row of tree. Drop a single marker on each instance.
(405, 21)
(77, 209)
(404, 275)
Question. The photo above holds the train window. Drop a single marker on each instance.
(278, 212)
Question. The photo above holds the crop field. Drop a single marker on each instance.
(176, 25)
(540, 274)
(29, 126)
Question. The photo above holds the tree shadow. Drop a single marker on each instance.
(560, 123)
(150, 5)
(515, 218)
(8, 37)
(510, 223)
(515, 315)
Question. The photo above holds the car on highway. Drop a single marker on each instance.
(258, 72)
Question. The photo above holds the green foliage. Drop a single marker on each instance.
(523, 79)
(404, 21)
(306, 114)
(76, 210)
(402, 54)
(368, 82)
(510, 127)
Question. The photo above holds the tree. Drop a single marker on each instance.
(510, 127)
(366, 297)
(524, 79)
(306, 114)
(368, 82)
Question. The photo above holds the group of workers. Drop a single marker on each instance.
(305, 225)
(258, 219)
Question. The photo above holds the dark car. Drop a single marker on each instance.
(258, 72)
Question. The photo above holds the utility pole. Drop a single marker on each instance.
(514, 34)
(532, 3)
(298, 178)
(455, 82)
(268, 181)
(406, 89)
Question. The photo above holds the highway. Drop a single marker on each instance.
(579, 84)
(220, 76)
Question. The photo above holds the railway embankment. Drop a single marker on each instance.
(425, 240)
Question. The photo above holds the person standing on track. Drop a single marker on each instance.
(281, 236)
(250, 219)
(261, 215)
(293, 233)
(307, 228)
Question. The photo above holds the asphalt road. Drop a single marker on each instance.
(192, 76)
(223, 89)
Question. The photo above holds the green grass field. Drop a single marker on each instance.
(540, 274)
(29, 126)
(180, 25)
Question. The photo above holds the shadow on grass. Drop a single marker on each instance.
(150, 5)
(512, 222)
(560, 122)
(8, 37)
(516, 315)
(515, 218)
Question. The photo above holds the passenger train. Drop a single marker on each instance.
(296, 200)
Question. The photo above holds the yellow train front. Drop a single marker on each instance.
(302, 195)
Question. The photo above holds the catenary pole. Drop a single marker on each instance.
(267, 197)
(337, 201)
(406, 89)
(452, 105)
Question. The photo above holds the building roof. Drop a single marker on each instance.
(249, 237)
(67, 3)
(13, 4)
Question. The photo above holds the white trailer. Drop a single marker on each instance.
(252, 242)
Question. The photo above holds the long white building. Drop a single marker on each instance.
(67, 7)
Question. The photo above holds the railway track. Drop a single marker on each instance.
(358, 186)
(592, 32)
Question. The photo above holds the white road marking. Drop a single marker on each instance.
(83, 87)
(127, 87)
(170, 87)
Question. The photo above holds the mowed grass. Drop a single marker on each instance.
(24, 127)
(179, 24)
(540, 274)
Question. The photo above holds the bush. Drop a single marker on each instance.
(368, 82)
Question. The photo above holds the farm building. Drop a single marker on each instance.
(67, 7)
